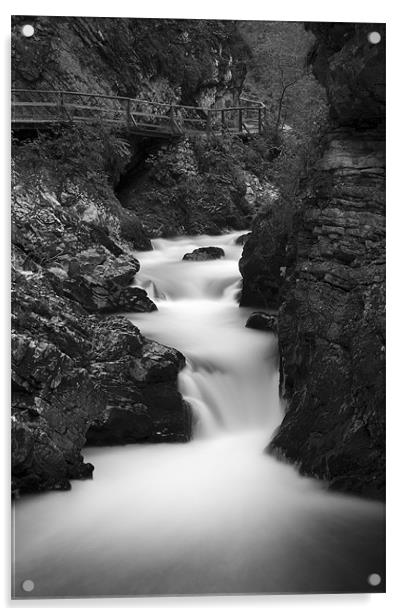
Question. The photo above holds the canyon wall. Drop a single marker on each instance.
(166, 187)
(332, 299)
(81, 374)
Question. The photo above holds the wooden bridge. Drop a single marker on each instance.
(36, 108)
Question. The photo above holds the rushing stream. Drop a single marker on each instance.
(217, 514)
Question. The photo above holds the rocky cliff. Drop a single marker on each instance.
(81, 374)
(332, 301)
(166, 187)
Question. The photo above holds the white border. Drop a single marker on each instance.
(306, 10)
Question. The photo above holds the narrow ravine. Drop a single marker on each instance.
(215, 515)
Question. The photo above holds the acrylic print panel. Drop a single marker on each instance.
(198, 307)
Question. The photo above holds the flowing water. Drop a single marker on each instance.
(217, 514)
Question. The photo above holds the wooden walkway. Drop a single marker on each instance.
(36, 108)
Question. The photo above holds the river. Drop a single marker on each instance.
(217, 514)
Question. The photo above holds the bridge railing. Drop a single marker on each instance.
(140, 115)
(55, 106)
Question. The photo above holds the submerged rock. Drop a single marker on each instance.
(205, 253)
(263, 321)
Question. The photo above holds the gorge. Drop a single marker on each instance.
(227, 459)
(215, 515)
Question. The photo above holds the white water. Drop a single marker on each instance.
(216, 515)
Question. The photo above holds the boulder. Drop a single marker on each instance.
(206, 253)
(101, 284)
(242, 239)
(139, 380)
(119, 426)
(263, 321)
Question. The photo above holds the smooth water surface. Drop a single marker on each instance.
(216, 515)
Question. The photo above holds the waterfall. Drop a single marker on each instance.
(217, 514)
(231, 375)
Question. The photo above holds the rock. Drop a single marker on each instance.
(206, 253)
(53, 403)
(263, 321)
(265, 254)
(132, 230)
(242, 239)
(100, 283)
(100, 235)
(119, 426)
(332, 304)
(74, 373)
(139, 380)
(104, 296)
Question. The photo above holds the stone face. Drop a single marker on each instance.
(332, 299)
(242, 239)
(133, 372)
(193, 62)
(78, 377)
(206, 253)
(106, 295)
(264, 261)
(263, 321)
(352, 70)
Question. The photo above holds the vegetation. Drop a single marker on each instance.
(197, 185)
(88, 154)
(278, 74)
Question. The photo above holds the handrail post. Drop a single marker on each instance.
(259, 121)
(240, 120)
(62, 109)
(172, 119)
(223, 119)
(209, 122)
(128, 112)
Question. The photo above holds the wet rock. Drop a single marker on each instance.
(119, 426)
(74, 372)
(132, 230)
(139, 381)
(264, 258)
(100, 283)
(242, 239)
(105, 295)
(53, 404)
(206, 253)
(263, 321)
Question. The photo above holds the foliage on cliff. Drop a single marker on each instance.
(199, 186)
(92, 154)
(279, 75)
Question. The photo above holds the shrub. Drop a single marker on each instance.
(92, 154)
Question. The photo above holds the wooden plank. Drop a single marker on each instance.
(150, 115)
(36, 104)
(92, 108)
